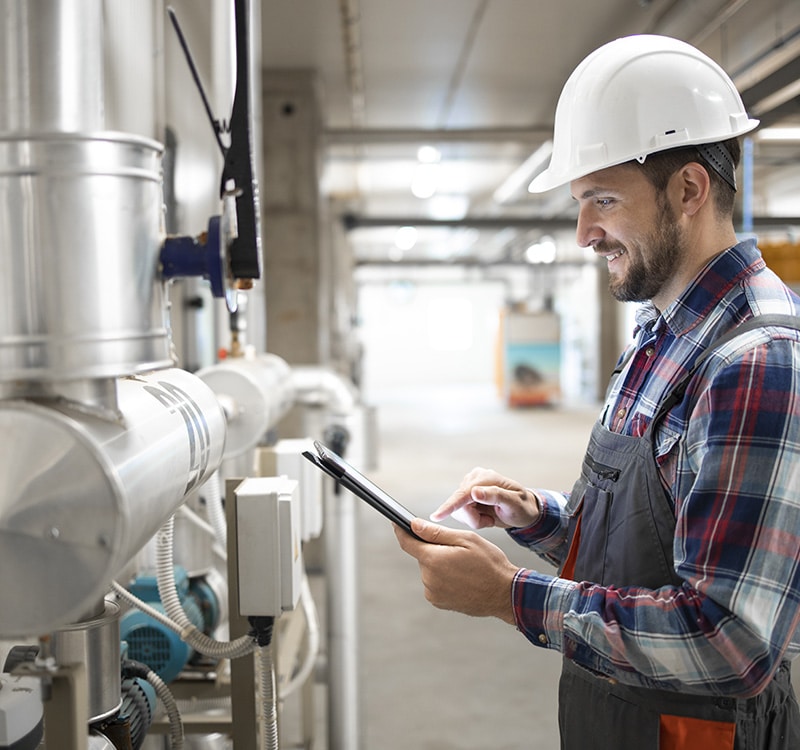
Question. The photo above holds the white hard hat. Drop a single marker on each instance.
(635, 96)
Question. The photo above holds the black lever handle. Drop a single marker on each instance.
(245, 251)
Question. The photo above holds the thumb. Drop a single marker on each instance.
(436, 534)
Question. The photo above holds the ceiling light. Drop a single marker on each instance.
(428, 155)
(543, 251)
(405, 238)
(425, 178)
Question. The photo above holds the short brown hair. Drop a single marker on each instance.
(660, 166)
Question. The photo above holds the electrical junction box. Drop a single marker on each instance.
(269, 556)
(285, 458)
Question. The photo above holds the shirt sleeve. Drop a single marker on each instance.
(547, 537)
(735, 475)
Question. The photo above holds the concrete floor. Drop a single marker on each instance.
(434, 680)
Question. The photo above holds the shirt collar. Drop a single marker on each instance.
(714, 281)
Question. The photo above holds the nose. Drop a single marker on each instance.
(588, 231)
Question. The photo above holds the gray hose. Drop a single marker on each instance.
(137, 669)
(269, 700)
(165, 577)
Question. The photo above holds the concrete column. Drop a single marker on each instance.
(294, 264)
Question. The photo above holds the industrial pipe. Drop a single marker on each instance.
(255, 391)
(80, 495)
(315, 385)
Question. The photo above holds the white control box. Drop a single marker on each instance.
(285, 458)
(270, 563)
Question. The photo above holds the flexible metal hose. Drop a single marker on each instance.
(167, 591)
(269, 700)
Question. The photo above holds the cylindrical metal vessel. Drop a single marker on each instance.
(80, 237)
(95, 643)
(79, 495)
(255, 393)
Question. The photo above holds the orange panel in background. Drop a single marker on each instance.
(783, 258)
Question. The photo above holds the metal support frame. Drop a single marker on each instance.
(244, 712)
(65, 700)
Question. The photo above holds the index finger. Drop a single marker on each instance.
(457, 500)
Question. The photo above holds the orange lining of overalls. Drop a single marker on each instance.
(688, 733)
(568, 571)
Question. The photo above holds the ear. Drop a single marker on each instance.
(693, 186)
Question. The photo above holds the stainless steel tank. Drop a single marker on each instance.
(80, 495)
(94, 641)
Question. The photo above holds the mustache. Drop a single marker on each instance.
(605, 247)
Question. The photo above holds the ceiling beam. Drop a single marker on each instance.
(366, 136)
(352, 222)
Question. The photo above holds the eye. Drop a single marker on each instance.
(605, 202)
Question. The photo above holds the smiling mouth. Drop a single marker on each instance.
(614, 256)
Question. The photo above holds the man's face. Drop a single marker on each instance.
(625, 221)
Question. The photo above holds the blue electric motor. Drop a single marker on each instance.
(154, 644)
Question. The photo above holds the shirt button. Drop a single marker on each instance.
(543, 639)
(621, 412)
(649, 351)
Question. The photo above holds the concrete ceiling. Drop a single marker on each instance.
(479, 81)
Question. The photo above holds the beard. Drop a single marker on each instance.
(653, 261)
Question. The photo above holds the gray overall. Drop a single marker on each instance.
(625, 538)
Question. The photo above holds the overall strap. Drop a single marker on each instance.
(751, 324)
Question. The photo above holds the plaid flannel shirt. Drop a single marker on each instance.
(729, 456)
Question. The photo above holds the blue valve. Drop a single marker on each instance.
(204, 256)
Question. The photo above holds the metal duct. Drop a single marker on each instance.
(51, 62)
(80, 222)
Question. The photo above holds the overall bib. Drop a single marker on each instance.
(622, 527)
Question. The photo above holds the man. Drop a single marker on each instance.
(677, 603)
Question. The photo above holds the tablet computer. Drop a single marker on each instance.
(353, 480)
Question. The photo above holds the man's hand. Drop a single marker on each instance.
(461, 570)
(485, 498)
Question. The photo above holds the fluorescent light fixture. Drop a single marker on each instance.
(779, 134)
(522, 176)
(448, 207)
(773, 101)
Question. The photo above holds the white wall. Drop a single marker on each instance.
(428, 333)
